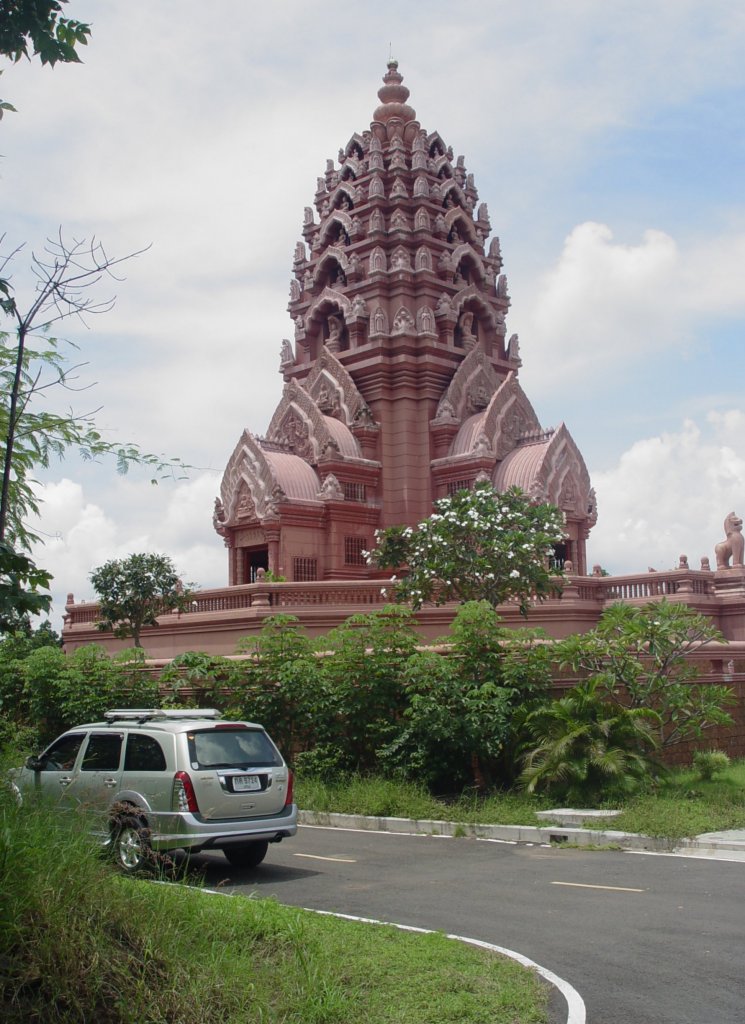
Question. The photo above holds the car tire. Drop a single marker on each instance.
(248, 856)
(131, 844)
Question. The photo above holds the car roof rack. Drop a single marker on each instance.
(160, 714)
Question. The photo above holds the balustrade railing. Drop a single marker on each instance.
(599, 590)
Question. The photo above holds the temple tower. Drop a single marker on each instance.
(400, 386)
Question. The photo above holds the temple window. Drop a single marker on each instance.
(458, 485)
(354, 492)
(354, 548)
(304, 570)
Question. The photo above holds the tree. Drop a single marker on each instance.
(134, 591)
(477, 545)
(39, 24)
(641, 659)
(584, 746)
(32, 366)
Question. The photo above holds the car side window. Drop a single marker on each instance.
(102, 753)
(144, 754)
(60, 757)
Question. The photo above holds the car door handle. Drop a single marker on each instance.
(65, 780)
(110, 783)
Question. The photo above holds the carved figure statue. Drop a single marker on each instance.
(732, 547)
(333, 342)
(286, 353)
(466, 328)
(331, 489)
(683, 562)
(705, 564)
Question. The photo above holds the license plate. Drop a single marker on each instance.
(242, 783)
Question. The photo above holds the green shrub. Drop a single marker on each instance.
(709, 763)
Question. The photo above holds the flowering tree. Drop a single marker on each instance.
(477, 545)
(134, 591)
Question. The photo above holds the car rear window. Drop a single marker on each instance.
(232, 748)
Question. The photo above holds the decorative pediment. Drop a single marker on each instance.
(509, 416)
(247, 490)
(565, 480)
(474, 376)
(331, 387)
(331, 226)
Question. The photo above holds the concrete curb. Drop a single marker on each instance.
(524, 833)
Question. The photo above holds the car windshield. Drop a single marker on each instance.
(232, 748)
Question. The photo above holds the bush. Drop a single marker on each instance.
(709, 763)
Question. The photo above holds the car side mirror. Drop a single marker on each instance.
(35, 764)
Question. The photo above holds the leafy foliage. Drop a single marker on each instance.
(709, 763)
(584, 747)
(477, 545)
(458, 721)
(640, 659)
(134, 591)
(21, 583)
(39, 24)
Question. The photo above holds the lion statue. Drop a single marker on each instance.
(732, 547)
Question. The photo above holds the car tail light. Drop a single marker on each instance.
(290, 782)
(184, 797)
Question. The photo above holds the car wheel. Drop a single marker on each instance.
(248, 856)
(131, 844)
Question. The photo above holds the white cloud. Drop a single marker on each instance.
(669, 496)
(607, 306)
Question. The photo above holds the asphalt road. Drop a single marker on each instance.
(644, 939)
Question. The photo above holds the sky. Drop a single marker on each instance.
(607, 139)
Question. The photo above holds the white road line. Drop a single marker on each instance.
(336, 860)
(610, 888)
(576, 1013)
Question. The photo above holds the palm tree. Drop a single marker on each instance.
(584, 747)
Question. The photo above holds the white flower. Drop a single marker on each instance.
(515, 574)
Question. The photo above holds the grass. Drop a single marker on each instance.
(680, 806)
(79, 943)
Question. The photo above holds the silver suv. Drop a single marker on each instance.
(166, 780)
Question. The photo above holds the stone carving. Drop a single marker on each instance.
(421, 188)
(308, 215)
(732, 547)
(443, 305)
(299, 327)
(377, 260)
(331, 489)
(400, 260)
(296, 435)
(399, 221)
(445, 411)
(359, 308)
(482, 445)
(299, 253)
(465, 323)
(399, 190)
(478, 398)
(683, 562)
(403, 322)
(379, 321)
(376, 185)
(421, 220)
(423, 258)
(705, 564)
(376, 162)
(495, 251)
(336, 327)
(513, 348)
(419, 161)
(425, 321)
(320, 185)
(502, 287)
(286, 354)
(294, 290)
(440, 225)
(482, 477)
(218, 516)
(246, 508)
(377, 221)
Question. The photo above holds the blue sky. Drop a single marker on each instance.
(607, 140)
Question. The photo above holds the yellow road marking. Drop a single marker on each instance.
(586, 885)
(338, 860)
